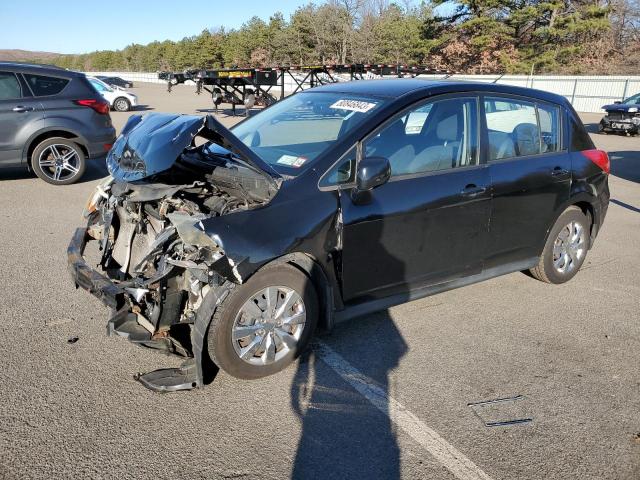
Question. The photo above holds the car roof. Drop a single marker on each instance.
(397, 87)
(38, 69)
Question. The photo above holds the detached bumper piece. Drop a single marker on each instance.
(86, 277)
(165, 380)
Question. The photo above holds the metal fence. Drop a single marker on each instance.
(586, 93)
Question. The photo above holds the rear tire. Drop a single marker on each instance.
(272, 341)
(566, 248)
(121, 104)
(58, 161)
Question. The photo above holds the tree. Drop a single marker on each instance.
(475, 36)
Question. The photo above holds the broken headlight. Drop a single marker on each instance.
(98, 194)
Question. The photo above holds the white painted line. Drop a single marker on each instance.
(452, 459)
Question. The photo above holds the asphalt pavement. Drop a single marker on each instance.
(384, 396)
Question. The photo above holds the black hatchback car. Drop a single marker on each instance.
(331, 204)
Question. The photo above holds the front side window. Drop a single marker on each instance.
(291, 134)
(438, 135)
(9, 86)
(42, 85)
(518, 128)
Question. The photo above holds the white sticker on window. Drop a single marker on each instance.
(353, 105)
(292, 161)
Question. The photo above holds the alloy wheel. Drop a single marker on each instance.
(59, 162)
(121, 105)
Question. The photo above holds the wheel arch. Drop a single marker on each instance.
(586, 203)
(40, 136)
(304, 262)
(312, 268)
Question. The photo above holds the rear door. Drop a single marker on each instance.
(20, 114)
(429, 222)
(530, 174)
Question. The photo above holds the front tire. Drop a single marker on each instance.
(121, 104)
(264, 324)
(566, 248)
(58, 161)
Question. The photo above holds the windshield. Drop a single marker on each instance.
(633, 100)
(291, 134)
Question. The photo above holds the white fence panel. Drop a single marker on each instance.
(586, 93)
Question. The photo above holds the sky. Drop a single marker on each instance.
(75, 26)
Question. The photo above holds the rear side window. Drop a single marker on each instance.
(42, 85)
(517, 128)
(548, 118)
(9, 86)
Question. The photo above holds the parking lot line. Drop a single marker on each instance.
(450, 457)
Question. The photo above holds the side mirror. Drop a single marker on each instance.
(617, 102)
(373, 172)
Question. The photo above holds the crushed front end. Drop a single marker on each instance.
(157, 264)
(621, 118)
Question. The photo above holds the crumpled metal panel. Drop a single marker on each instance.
(150, 144)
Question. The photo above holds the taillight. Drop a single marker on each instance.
(600, 158)
(100, 106)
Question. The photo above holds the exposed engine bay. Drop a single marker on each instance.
(158, 261)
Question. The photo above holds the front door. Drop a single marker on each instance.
(18, 111)
(429, 222)
(530, 174)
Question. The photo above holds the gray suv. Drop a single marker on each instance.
(51, 121)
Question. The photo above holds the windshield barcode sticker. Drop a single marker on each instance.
(292, 161)
(353, 105)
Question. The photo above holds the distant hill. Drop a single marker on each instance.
(27, 56)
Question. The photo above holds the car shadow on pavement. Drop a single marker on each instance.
(343, 435)
(626, 165)
(96, 169)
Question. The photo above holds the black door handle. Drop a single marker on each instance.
(559, 172)
(472, 190)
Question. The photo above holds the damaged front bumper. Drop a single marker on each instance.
(621, 124)
(163, 268)
(88, 278)
(123, 321)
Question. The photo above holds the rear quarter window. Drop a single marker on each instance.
(42, 85)
(580, 139)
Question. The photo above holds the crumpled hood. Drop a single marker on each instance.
(621, 107)
(151, 143)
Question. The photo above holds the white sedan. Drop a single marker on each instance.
(119, 99)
